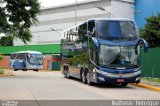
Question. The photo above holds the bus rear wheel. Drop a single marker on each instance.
(83, 77)
(67, 73)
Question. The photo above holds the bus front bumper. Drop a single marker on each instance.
(118, 78)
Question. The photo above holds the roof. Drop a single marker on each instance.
(28, 51)
(68, 5)
(45, 49)
(81, 3)
(108, 19)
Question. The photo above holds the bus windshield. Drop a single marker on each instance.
(35, 59)
(116, 56)
(116, 30)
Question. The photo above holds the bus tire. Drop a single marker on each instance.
(15, 69)
(84, 80)
(88, 78)
(36, 70)
(24, 69)
(124, 84)
(67, 73)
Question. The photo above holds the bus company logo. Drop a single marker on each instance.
(9, 103)
(120, 75)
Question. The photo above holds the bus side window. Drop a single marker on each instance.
(64, 35)
(91, 27)
(82, 31)
(67, 35)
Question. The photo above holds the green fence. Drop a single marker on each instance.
(56, 66)
(150, 63)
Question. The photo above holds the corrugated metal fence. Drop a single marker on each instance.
(150, 63)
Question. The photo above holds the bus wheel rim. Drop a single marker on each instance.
(68, 74)
(88, 78)
(83, 77)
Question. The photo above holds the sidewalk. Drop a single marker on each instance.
(6, 73)
(150, 82)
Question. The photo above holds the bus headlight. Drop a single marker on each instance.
(101, 72)
(137, 73)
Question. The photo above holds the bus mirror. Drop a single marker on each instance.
(96, 43)
(145, 45)
(92, 34)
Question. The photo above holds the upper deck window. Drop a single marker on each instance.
(124, 30)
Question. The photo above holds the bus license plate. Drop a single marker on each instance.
(120, 80)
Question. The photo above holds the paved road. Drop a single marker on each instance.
(53, 86)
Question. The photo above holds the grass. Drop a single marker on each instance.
(152, 79)
(1, 71)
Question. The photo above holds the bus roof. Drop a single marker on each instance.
(109, 19)
(28, 51)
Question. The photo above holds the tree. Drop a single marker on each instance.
(17, 16)
(6, 41)
(151, 31)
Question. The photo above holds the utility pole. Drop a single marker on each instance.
(75, 12)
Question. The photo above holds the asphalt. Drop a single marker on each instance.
(53, 86)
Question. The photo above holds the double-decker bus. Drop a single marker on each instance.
(26, 60)
(104, 51)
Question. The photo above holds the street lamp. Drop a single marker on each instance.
(56, 31)
(103, 9)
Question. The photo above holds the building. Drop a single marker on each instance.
(144, 9)
(54, 20)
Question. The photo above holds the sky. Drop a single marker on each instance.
(49, 3)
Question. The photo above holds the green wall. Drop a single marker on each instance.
(150, 63)
(45, 49)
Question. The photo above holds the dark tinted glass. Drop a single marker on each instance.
(13, 56)
(21, 56)
(124, 30)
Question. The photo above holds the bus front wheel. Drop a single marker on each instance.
(24, 69)
(36, 70)
(88, 78)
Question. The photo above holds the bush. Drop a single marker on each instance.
(151, 32)
(1, 71)
(1, 56)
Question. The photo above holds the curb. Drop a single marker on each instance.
(50, 71)
(147, 87)
(5, 75)
(9, 74)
